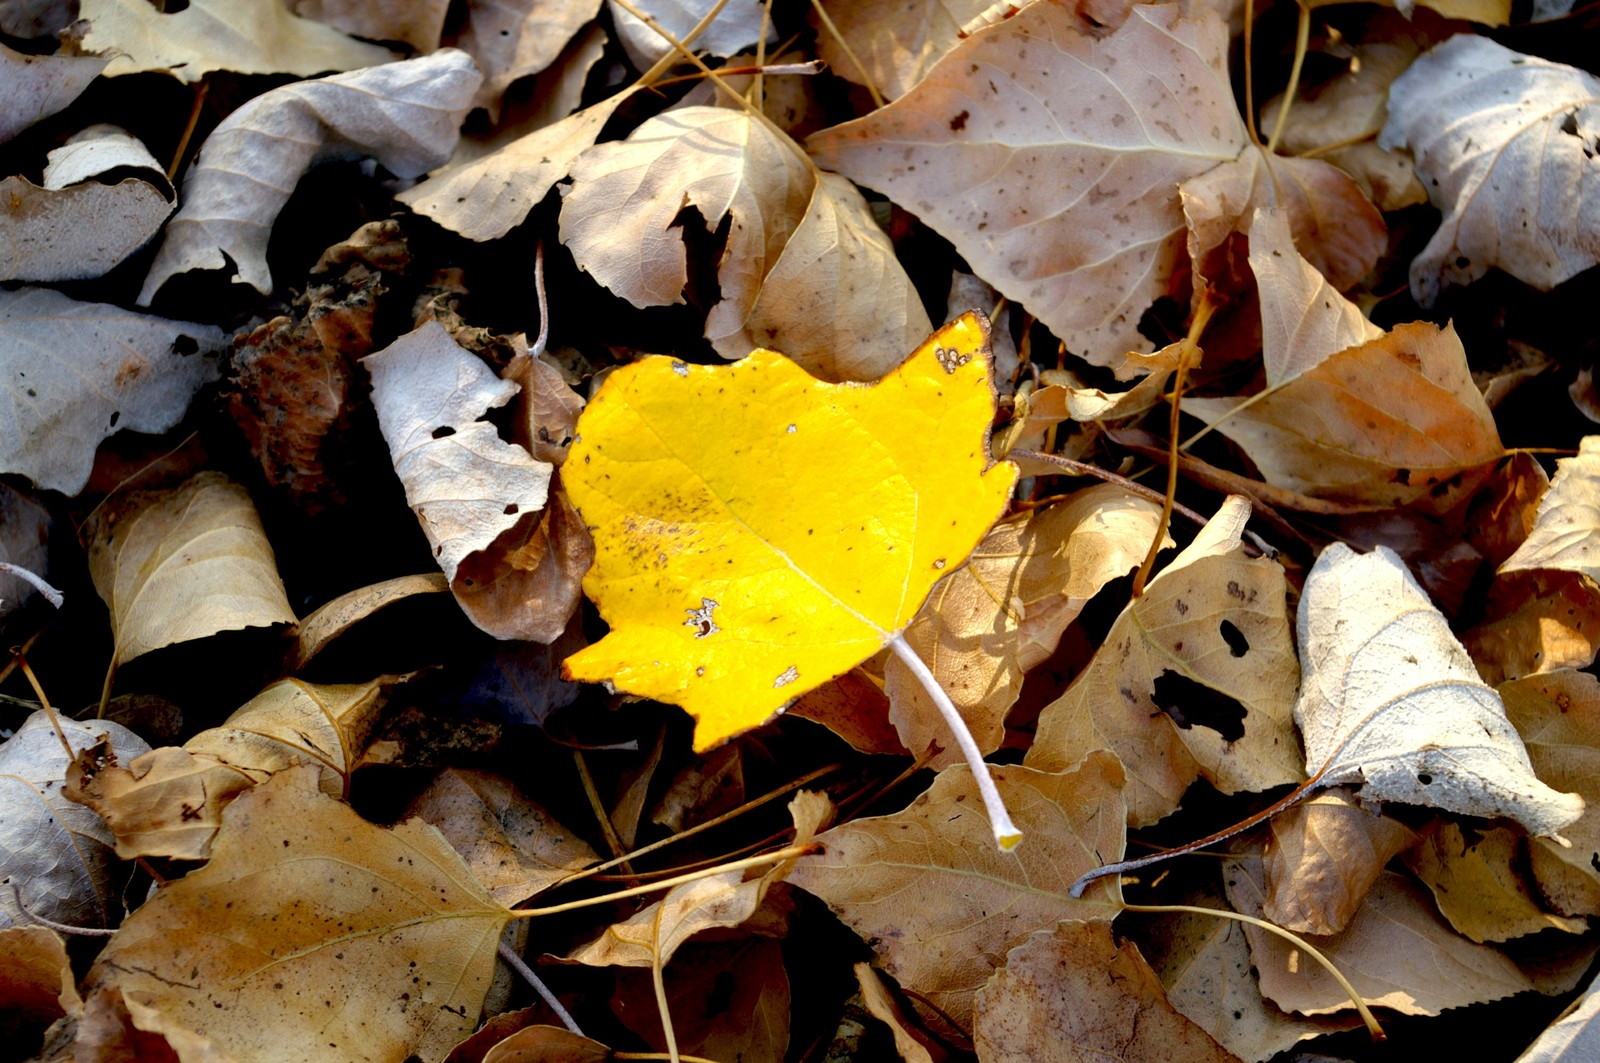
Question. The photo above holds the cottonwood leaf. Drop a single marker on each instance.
(1566, 531)
(737, 571)
(729, 1000)
(78, 372)
(649, 938)
(245, 36)
(466, 485)
(547, 1044)
(417, 23)
(896, 43)
(36, 981)
(510, 39)
(1322, 857)
(1048, 157)
(1478, 884)
(1535, 621)
(988, 623)
(313, 932)
(880, 1003)
(737, 26)
(406, 115)
(973, 902)
(1400, 423)
(1087, 998)
(56, 852)
(1196, 679)
(183, 564)
(37, 86)
(77, 225)
(1504, 143)
(332, 619)
(837, 301)
(1389, 699)
(626, 197)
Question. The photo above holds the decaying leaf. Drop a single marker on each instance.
(1401, 423)
(1478, 887)
(1504, 145)
(738, 571)
(126, 370)
(36, 86)
(1195, 679)
(406, 115)
(56, 852)
(973, 902)
(1073, 994)
(896, 43)
(246, 36)
(183, 564)
(1535, 621)
(1391, 700)
(1323, 856)
(167, 802)
(990, 621)
(1566, 532)
(1031, 148)
(312, 931)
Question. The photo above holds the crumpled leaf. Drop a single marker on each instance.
(1088, 998)
(313, 932)
(1504, 144)
(227, 579)
(626, 196)
(37, 86)
(1400, 423)
(57, 852)
(1195, 679)
(1478, 884)
(1390, 699)
(880, 1003)
(988, 623)
(897, 43)
(1029, 146)
(737, 27)
(974, 902)
(731, 588)
(1566, 532)
(73, 226)
(466, 485)
(245, 36)
(406, 115)
(125, 370)
(1323, 856)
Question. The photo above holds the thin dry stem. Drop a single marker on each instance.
(44, 703)
(662, 65)
(1302, 42)
(518, 964)
(778, 857)
(844, 45)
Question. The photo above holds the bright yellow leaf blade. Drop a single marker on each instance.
(758, 531)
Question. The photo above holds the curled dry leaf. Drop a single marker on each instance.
(626, 196)
(1072, 994)
(58, 853)
(1566, 531)
(1504, 144)
(1322, 857)
(1195, 679)
(881, 1005)
(1401, 423)
(1478, 884)
(244, 36)
(1027, 146)
(548, 1044)
(74, 226)
(405, 115)
(37, 985)
(974, 902)
(896, 43)
(312, 931)
(990, 621)
(125, 370)
(728, 1000)
(512, 845)
(118, 1029)
(1390, 699)
(227, 578)
(334, 618)
(36, 86)
(1535, 622)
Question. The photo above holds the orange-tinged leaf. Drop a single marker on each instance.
(758, 531)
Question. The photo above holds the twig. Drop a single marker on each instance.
(518, 964)
(51, 595)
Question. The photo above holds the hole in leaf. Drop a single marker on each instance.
(1424, 778)
(442, 431)
(1238, 645)
(1190, 704)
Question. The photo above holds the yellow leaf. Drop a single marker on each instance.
(758, 531)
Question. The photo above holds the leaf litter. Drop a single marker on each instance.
(468, 303)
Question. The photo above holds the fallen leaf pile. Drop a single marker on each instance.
(684, 530)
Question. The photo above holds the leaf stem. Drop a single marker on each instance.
(844, 45)
(1367, 1017)
(1006, 834)
(1302, 41)
(518, 964)
(778, 857)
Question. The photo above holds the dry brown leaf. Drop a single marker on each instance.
(511, 39)
(986, 624)
(313, 931)
(650, 937)
(854, 707)
(37, 86)
(837, 301)
(729, 1000)
(118, 1029)
(1397, 951)
(325, 725)
(1073, 995)
(1322, 857)
(626, 196)
(56, 853)
(1195, 679)
(406, 115)
(547, 1044)
(183, 564)
(1477, 886)
(974, 903)
(896, 43)
(1400, 423)
(709, 785)
(1575, 1035)
(245, 36)
(37, 985)
(167, 802)
(881, 1005)
(1503, 143)
(125, 370)
(332, 619)
(1558, 716)
(1566, 532)
(737, 26)
(1391, 700)
(512, 845)
(1031, 146)
(1536, 622)
(417, 23)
